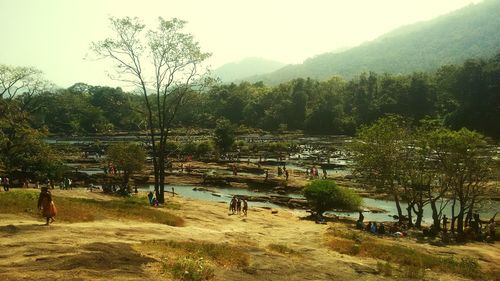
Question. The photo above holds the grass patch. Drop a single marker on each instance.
(282, 249)
(412, 262)
(385, 268)
(194, 260)
(192, 269)
(221, 254)
(84, 210)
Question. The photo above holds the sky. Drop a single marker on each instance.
(54, 35)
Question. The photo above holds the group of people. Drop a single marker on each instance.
(237, 205)
(313, 173)
(283, 171)
(479, 232)
(396, 229)
(66, 183)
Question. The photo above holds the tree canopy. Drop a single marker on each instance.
(325, 195)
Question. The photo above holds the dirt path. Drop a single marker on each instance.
(103, 250)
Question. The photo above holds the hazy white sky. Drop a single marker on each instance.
(54, 35)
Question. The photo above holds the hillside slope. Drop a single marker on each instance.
(471, 32)
(247, 67)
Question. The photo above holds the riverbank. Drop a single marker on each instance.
(273, 246)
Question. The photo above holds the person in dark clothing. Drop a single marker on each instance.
(381, 229)
(150, 197)
(445, 223)
(245, 207)
(361, 216)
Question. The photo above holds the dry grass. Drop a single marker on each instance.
(412, 262)
(282, 249)
(194, 260)
(84, 210)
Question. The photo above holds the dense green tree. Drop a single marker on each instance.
(464, 164)
(23, 148)
(378, 152)
(128, 157)
(224, 135)
(325, 195)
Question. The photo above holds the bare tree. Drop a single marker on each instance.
(22, 83)
(164, 64)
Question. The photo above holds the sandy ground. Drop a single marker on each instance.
(104, 250)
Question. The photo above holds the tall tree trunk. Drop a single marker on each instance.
(453, 217)
(161, 170)
(460, 221)
(468, 217)
(435, 214)
(408, 209)
(420, 214)
(398, 206)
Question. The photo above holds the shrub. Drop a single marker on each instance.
(384, 268)
(324, 195)
(204, 148)
(192, 269)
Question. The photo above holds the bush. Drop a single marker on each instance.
(324, 195)
(204, 148)
(189, 148)
(384, 268)
(193, 269)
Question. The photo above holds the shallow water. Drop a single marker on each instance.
(227, 193)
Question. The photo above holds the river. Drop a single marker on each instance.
(225, 194)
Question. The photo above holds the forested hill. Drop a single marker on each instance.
(471, 32)
(247, 67)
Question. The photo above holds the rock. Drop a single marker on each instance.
(249, 270)
(361, 268)
(274, 211)
(9, 228)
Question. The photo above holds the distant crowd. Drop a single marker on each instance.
(476, 230)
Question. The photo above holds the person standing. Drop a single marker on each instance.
(150, 198)
(238, 206)
(492, 229)
(445, 223)
(46, 205)
(6, 183)
(245, 207)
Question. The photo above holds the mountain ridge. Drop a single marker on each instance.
(469, 32)
(246, 67)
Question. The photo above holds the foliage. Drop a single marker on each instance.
(128, 157)
(324, 195)
(192, 269)
(468, 33)
(423, 165)
(378, 153)
(456, 95)
(224, 135)
(165, 64)
(23, 148)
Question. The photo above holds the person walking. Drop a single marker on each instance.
(46, 205)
